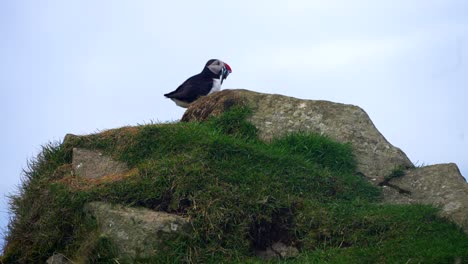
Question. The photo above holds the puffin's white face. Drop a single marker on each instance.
(219, 67)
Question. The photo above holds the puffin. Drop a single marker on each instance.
(206, 82)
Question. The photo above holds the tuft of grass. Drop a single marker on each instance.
(375, 233)
(234, 123)
(397, 172)
(240, 193)
(319, 150)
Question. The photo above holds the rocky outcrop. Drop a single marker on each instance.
(137, 232)
(92, 164)
(441, 185)
(275, 115)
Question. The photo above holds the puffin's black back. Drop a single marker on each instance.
(195, 86)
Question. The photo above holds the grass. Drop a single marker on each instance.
(397, 172)
(300, 189)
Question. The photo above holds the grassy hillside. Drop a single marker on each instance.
(241, 194)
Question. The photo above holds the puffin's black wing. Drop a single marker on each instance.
(192, 88)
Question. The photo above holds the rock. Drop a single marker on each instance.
(275, 115)
(70, 139)
(137, 232)
(277, 250)
(440, 185)
(284, 251)
(93, 164)
(58, 258)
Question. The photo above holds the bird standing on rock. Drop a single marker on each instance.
(204, 83)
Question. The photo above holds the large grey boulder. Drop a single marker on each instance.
(93, 164)
(275, 115)
(137, 233)
(441, 185)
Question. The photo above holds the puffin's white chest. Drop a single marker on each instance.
(216, 86)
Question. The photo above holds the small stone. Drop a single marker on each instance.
(277, 250)
(284, 251)
(93, 164)
(57, 258)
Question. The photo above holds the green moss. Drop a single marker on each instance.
(240, 193)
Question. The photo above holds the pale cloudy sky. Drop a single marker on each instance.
(80, 66)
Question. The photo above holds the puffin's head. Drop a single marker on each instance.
(219, 68)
